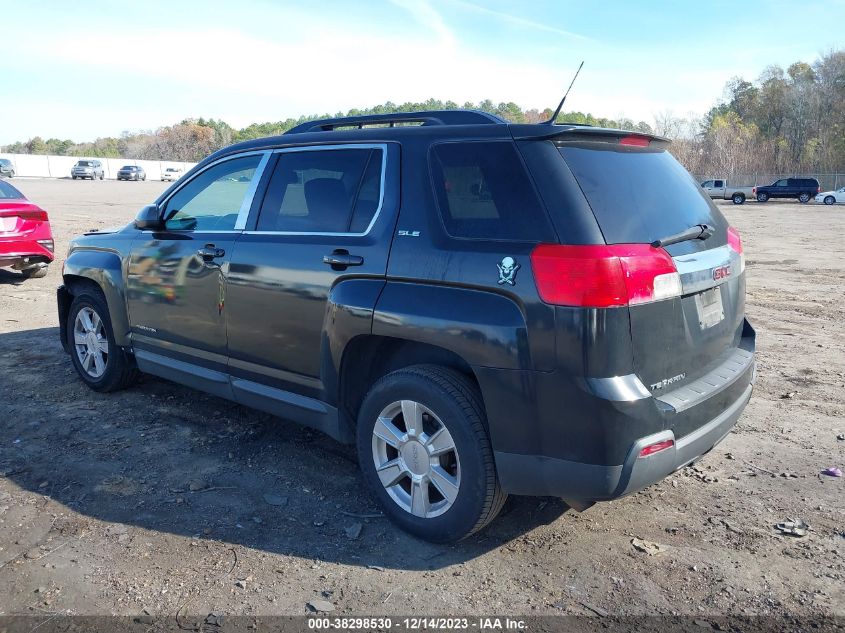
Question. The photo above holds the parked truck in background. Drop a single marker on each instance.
(721, 189)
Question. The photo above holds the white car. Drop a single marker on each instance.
(830, 197)
(171, 174)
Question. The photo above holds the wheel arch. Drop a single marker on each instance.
(370, 357)
(103, 270)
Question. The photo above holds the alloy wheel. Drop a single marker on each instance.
(416, 459)
(90, 342)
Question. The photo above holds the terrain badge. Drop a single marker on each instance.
(507, 271)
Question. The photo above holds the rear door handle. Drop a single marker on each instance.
(209, 252)
(342, 259)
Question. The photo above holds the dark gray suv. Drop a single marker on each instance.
(7, 168)
(481, 308)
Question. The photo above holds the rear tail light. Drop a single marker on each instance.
(36, 215)
(635, 141)
(651, 449)
(604, 276)
(754, 190)
(735, 244)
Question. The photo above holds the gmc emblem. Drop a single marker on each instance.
(722, 272)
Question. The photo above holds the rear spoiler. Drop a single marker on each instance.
(573, 132)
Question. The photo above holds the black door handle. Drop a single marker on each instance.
(340, 259)
(209, 252)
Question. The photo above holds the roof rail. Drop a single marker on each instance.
(433, 117)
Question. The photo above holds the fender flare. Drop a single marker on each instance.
(104, 268)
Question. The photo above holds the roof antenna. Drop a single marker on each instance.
(560, 105)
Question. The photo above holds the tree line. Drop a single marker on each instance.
(785, 121)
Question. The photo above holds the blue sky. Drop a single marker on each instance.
(81, 70)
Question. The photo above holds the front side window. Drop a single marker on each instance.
(212, 200)
(707, 183)
(484, 192)
(323, 191)
(781, 183)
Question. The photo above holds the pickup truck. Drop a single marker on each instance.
(722, 190)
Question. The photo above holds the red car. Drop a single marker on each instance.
(26, 242)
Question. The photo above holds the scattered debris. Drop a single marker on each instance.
(195, 485)
(375, 567)
(648, 547)
(789, 394)
(240, 583)
(840, 437)
(214, 619)
(353, 531)
(833, 471)
(276, 500)
(596, 610)
(320, 606)
(793, 527)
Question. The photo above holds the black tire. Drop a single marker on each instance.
(829, 200)
(36, 272)
(103, 175)
(738, 198)
(74, 177)
(762, 197)
(120, 371)
(803, 197)
(456, 402)
(12, 174)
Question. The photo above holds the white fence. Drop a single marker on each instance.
(41, 166)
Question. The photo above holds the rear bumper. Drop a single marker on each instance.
(546, 476)
(589, 443)
(24, 253)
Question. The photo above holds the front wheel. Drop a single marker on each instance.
(738, 198)
(97, 358)
(425, 453)
(762, 197)
(103, 175)
(804, 198)
(829, 199)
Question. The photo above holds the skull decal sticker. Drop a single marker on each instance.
(507, 270)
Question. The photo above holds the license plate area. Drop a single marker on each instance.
(710, 309)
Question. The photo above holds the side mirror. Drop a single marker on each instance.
(149, 218)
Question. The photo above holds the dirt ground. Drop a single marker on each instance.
(160, 500)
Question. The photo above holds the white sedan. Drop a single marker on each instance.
(830, 197)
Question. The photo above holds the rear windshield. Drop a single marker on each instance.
(640, 195)
(8, 192)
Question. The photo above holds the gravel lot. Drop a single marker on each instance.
(165, 499)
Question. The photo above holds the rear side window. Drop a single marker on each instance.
(7, 192)
(323, 191)
(484, 192)
(640, 195)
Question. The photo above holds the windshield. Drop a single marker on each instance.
(8, 192)
(83, 163)
(639, 195)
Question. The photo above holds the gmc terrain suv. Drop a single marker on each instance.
(804, 189)
(482, 308)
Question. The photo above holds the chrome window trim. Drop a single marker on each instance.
(339, 146)
(246, 205)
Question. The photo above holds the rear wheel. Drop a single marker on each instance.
(98, 360)
(738, 198)
(425, 453)
(762, 197)
(103, 175)
(829, 199)
(35, 272)
(803, 197)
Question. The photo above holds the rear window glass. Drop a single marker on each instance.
(483, 192)
(8, 192)
(641, 195)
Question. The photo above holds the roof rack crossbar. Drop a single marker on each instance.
(433, 117)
